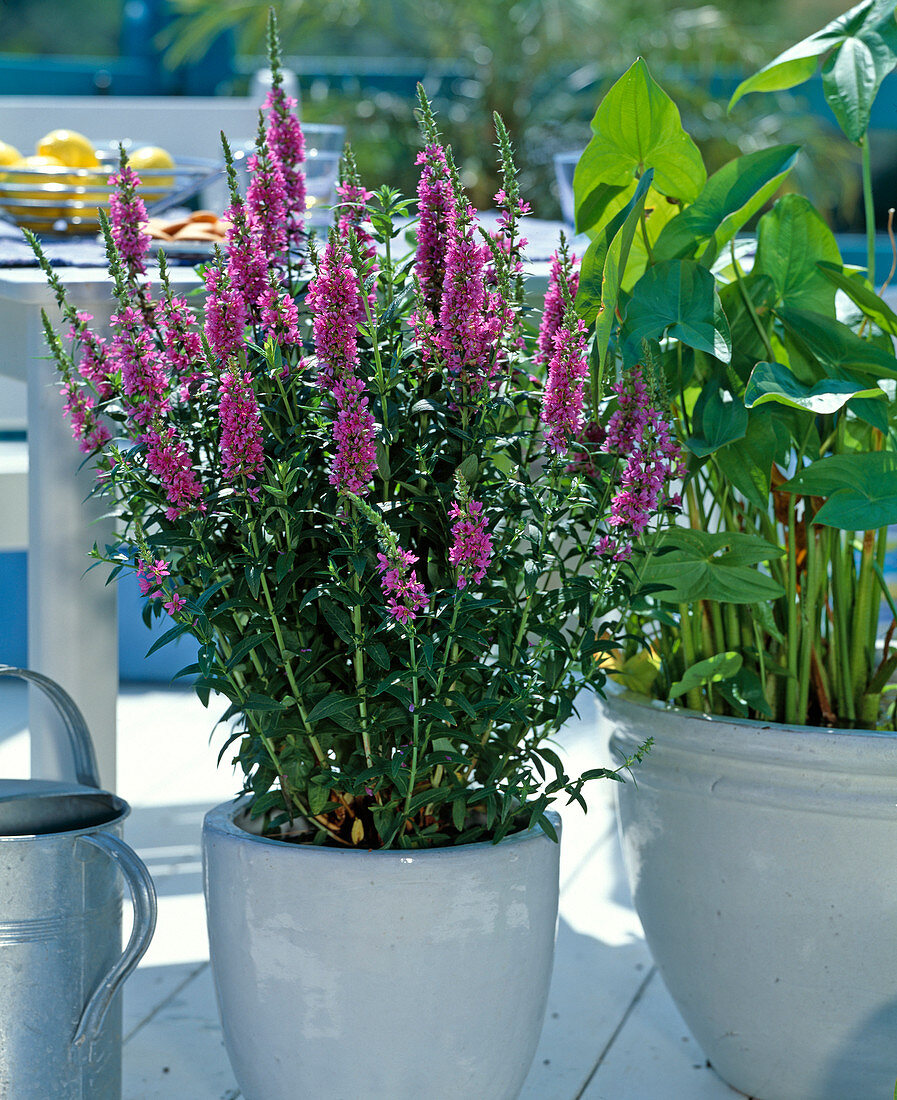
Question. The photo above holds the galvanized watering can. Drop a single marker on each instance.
(61, 863)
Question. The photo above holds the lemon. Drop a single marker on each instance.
(69, 147)
(152, 158)
(9, 154)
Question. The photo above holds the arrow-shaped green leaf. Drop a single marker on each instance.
(861, 489)
(775, 382)
(679, 298)
(730, 197)
(863, 49)
(636, 127)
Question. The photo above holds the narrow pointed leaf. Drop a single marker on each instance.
(592, 292)
(729, 199)
(835, 346)
(861, 294)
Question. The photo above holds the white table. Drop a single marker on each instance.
(72, 617)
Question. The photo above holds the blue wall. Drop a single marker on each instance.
(134, 639)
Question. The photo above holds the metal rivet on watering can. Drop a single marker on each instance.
(61, 963)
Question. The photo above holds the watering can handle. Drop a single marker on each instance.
(86, 771)
(143, 895)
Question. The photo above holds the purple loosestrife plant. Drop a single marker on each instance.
(392, 573)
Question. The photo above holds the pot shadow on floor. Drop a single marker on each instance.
(843, 1072)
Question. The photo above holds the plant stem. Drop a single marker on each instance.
(412, 779)
(693, 695)
(860, 658)
(869, 209)
(358, 663)
(287, 663)
(842, 580)
(791, 685)
(808, 621)
(749, 305)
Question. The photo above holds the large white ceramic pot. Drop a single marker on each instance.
(763, 865)
(397, 975)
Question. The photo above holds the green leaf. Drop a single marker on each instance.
(333, 703)
(747, 462)
(700, 565)
(318, 797)
(589, 209)
(745, 691)
(863, 45)
(729, 199)
(791, 239)
(835, 345)
(255, 701)
(379, 653)
(861, 294)
(659, 211)
(719, 417)
(861, 489)
(853, 74)
(168, 636)
(598, 290)
(636, 127)
(246, 646)
(677, 298)
(722, 666)
(613, 269)
(285, 563)
(774, 382)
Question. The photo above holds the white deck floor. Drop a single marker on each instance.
(611, 1030)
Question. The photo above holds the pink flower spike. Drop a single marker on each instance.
(405, 594)
(127, 215)
(241, 428)
(286, 144)
(638, 434)
(470, 316)
(471, 549)
(332, 298)
(266, 203)
(436, 211)
(563, 270)
(563, 398)
(174, 605)
(353, 431)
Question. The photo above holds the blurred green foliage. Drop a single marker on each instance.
(49, 27)
(542, 64)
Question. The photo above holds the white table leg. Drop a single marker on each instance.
(72, 618)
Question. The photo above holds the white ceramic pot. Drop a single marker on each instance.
(763, 865)
(397, 975)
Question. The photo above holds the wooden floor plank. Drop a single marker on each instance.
(654, 1057)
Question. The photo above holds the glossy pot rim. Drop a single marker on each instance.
(220, 822)
(626, 700)
(847, 771)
